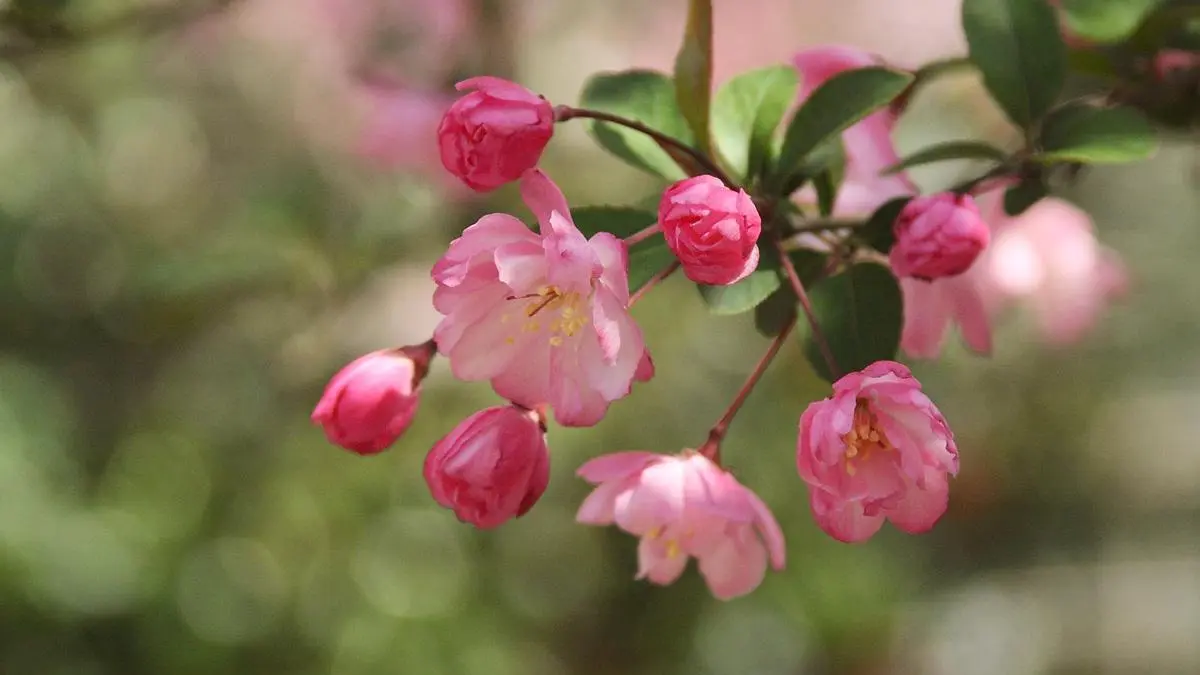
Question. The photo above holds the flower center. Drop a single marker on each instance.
(864, 437)
(562, 310)
(671, 545)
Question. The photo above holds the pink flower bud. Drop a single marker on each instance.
(493, 467)
(877, 448)
(371, 401)
(938, 236)
(493, 134)
(711, 229)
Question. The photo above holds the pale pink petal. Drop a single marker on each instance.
(614, 259)
(971, 312)
(598, 508)
(613, 350)
(496, 87)
(920, 510)
(658, 499)
(486, 348)
(614, 466)
(926, 318)
(657, 564)
(521, 266)
(818, 64)
(737, 567)
(543, 197)
(845, 522)
(769, 528)
(487, 234)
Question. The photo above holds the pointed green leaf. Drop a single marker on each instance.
(647, 97)
(949, 150)
(879, 232)
(694, 70)
(838, 104)
(1107, 21)
(620, 221)
(1080, 133)
(1017, 46)
(746, 112)
(860, 313)
(742, 296)
(773, 313)
(646, 260)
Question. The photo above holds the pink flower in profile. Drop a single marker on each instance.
(495, 133)
(685, 506)
(877, 448)
(371, 401)
(1049, 257)
(543, 316)
(938, 236)
(868, 144)
(711, 229)
(931, 307)
(492, 468)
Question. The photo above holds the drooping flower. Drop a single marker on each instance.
(371, 401)
(711, 229)
(877, 448)
(930, 307)
(938, 236)
(495, 133)
(492, 468)
(685, 506)
(543, 316)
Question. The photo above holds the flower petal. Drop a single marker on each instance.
(615, 466)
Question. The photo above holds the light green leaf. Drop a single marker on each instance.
(647, 97)
(746, 112)
(1017, 46)
(860, 313)
(646, 260)
(694, 69)
(620, 221)
(949, 150)
(1080, 133)
(743, 296)
(1107, 21)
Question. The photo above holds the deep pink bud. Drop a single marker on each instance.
(938, 236)
(493, 467)
(711, 229)
(371, 401)
(494, 134)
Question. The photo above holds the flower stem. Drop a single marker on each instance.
(798, 287)
(562, 113)
(654, 281)
(642, 235)
(712, 447)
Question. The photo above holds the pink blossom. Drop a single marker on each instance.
(930, 307)
(685, 506)
(543, 316)
(938, 236)
(401, 126)
(1049, 257)
(711, 229)
(495, 133)
(868, 144)
(877, 448)
(493, 467)
(371, 401)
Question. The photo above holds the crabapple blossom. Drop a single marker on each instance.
(938, 236)
(543, 316)
(685, 506)
(711, 229)
(492, 468)
(877, 448)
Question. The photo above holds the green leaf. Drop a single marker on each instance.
(1080, 133)
(1018, 198)
(1017, 47)
(647, 97)
(860, 313)
(879, 231)
(949, 150)
(646, 260)
(743, 296)
(694, 71)
(746, 112)
(620, 221)
(772, 314)
(1107, 21)
(838, 104)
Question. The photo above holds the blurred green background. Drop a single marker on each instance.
(204, 214)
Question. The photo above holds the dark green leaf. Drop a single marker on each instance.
(1107, 21)
(878, 233)
(619, 220)
(1017, 47)
(646, 260)
(773, 313)
(694, 69)
(648, 97)
(746, 112)
(949, 150)
(838, 104)
(1080, 133)
(1023, 195)
(743, 296)
(1092, 62)
(861, 313)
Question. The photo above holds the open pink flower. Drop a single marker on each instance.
(877, 448)
(868, 144)
(493, 467)
(685, 506)
(543, 316)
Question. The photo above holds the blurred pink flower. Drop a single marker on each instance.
(400, 131)
(685, 506)
(711, 229)
(544, 316)
(877, 448)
